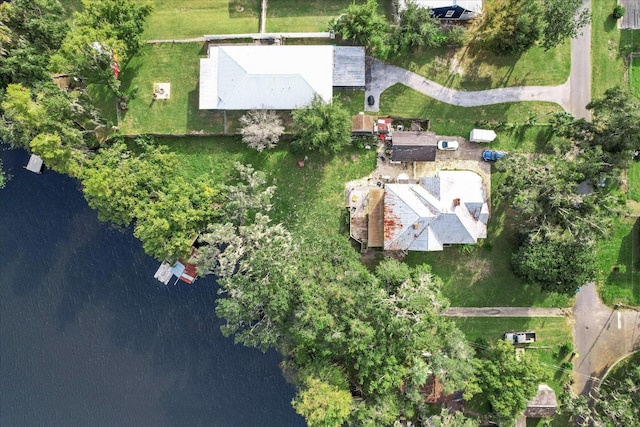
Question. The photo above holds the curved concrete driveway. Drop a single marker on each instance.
(383, 76)
(602, 335)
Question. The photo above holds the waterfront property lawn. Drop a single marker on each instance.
(173, 19)
(449, 119)
(309, 200)
(177, 64)
(303, 16)
(618, 263)
(471, 68)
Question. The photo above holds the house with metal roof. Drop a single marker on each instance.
(449, 10)
(234, 77)
(450, 208)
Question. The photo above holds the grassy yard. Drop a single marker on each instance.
(449, 119)
(607, 62)
(177, 64)
(551, 332)
(471, 68)
(619, 267)
(307, 15)
(309, 200)
(172, 19)
(634, 78)
(481, 276)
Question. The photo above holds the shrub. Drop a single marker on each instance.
(618, 11)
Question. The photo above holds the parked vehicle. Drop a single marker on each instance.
(482, 135)
(527, 337)
(371, 100)
(492, 155)
(448, 145)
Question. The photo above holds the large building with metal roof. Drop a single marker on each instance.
(275, 76)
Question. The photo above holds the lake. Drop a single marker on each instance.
(89, 338)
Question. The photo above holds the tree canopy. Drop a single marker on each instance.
(513, 26)
(364, 25)
(323, 127)
(261, 129)
(506, 381)
(30, 32)
(142, 187)
(417, 27)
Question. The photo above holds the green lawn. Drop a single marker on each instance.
(481, 276)
(177, 64)
(607, 62)
(172, 19)
(471, 68)
(309, 199)
(307, 15)
(619, 271)
(552, 332)
(449, 119)
(634, 78)
(633, 178)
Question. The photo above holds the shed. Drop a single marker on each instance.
(482, 135)
(362, 124)
(544, 405)
(35, 164)
(411, 146)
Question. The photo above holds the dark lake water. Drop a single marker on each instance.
(89, 338)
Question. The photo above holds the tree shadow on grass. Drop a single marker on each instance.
(623, 281)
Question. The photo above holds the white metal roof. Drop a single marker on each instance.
(472, 5)
(424, 216)
(261, 77)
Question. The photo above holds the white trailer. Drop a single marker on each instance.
(482, 135)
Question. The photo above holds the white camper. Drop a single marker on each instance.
(482, 135)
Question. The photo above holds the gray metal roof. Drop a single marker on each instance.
(448, 209)
(265, 77)
(348, 66)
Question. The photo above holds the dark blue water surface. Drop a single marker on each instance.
(89, 338)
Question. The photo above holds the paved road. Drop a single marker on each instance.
(580, 77)
(505, 312)
(382, 76)
(602, 336)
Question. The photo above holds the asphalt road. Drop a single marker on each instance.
(580, 77)
(602, 335)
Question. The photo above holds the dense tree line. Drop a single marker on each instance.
(566, 202)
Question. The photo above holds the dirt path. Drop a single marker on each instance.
(505, 312)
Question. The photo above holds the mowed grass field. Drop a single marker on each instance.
(619, 263)
(177, 64)
(472, 68)
(634, 79)
(309, 200)
(173, 19)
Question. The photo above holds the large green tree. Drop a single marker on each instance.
(142, 187)
(30, 32)
(364, 25)
(417, 27)
(558, 225)
(323, 127)
(564, 19)
(322, 404)
(506, 381)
